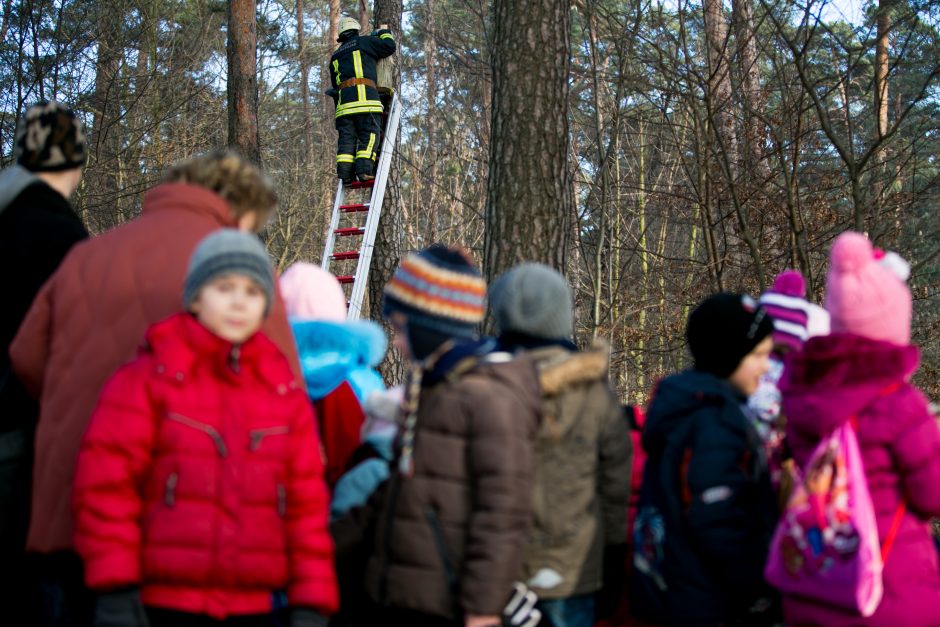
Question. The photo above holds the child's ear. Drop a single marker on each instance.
(195, 306)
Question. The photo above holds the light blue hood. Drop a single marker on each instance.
(333, 352)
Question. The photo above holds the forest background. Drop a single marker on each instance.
(695, 146)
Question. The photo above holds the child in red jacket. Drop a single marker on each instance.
(199, 488)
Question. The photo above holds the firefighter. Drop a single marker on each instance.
(358, 107)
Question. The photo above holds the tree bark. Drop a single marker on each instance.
(388, 239)
(303, 61)
(242, 79)
(719, 82)
(881, 103)
(529, 202)
(104, 204)
(754, 131)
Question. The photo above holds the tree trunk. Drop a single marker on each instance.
(754, 131)
(719, 82)
(388, 248)
(529, 202)
(881, 103)
(303, 61)
(242, 79)
(103, 172)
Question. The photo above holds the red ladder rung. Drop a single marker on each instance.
(352, 254)
(354, 208)
(345, 279)
(350, 230)
(361, 184)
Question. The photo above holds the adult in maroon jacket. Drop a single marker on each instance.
(200, 479)
(90, 317)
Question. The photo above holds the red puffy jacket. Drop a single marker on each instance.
(200, 479)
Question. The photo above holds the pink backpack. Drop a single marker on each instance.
(826, 544)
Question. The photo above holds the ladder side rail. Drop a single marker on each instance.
(375, 211)
(334, 224)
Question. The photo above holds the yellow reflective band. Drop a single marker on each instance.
(349, 108)
(371, 143)
(362, 154)
(357, 63)
(336, 72)
(386, 36)
(345, 159)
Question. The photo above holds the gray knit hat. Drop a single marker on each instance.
(229, 251)
(49, 138)
(534, 300)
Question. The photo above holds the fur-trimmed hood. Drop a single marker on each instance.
(560, 368)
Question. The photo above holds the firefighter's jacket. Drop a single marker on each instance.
(357, 58)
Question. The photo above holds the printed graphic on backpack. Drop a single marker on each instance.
(826, 544)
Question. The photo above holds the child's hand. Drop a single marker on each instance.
(481, 621)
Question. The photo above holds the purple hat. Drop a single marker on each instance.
(786, 303)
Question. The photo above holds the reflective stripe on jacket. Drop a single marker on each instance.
(357, 58)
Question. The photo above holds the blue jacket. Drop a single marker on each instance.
(706, 512)
(333, 352)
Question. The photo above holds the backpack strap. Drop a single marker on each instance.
(892, 531)
(888, 543)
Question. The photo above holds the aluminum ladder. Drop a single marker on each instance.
(365, 234)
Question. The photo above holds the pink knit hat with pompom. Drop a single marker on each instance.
(312, 293)
(866, 291)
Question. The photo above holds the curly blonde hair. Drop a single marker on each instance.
(242, 184)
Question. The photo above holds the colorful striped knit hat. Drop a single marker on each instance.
(786, 303)
(438, 288)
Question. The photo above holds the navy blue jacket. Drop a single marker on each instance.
(706, 487)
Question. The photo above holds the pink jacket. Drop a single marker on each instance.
(832, 379)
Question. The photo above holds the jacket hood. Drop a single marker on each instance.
(187, 197)
(835, 377)
(333, 352)
(560, 368)
(677, 398)
(180, 344)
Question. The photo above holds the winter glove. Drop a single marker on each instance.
(615, 580)
(121, 608)
(306, 617)
(520, 611)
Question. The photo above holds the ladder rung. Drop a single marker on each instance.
(345, 279)
(350, 230)
(361, 184)
(354, 208)
(352, 254)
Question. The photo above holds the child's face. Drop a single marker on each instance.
(747, 377)
(399, 324)
(231, 306)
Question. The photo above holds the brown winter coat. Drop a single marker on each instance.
(583, 473)
(90, 317)
(450, 538)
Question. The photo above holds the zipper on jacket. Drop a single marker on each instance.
(233, 358)
(258, 435)
(438, 534)
(281, 500)
(169, 495)
(207, 429)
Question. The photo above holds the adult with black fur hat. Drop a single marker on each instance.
(707, 511)
(37, 228)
